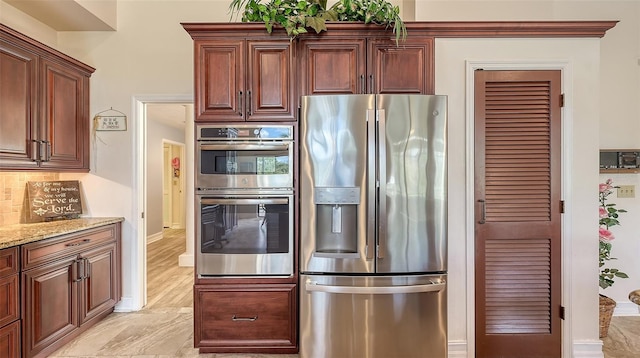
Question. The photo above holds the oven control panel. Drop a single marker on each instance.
(244, 132)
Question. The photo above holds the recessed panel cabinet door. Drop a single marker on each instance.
(405, 67)
(17, 107)
(10, 340)
(50, 305)
(219, 80)
(332, 66)
(100, 286)
(64, 122)
(269, 94)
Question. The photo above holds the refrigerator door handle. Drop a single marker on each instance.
(312, 286)
(371, 183)
(382, 183)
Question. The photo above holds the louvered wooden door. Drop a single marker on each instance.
(517, 230)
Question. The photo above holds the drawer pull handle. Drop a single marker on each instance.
(78, 243)
(236, 318)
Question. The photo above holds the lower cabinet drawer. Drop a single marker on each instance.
(228, 316)
(41, 252)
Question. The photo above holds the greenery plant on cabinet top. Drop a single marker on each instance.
(295, 16)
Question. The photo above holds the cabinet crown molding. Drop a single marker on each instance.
(466, 29)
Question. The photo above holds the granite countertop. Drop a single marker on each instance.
(19, 234)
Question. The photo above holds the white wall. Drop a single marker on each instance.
(156, 133)
(151, 54)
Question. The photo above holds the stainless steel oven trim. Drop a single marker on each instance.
(244, 146)
(244, 181)
(248, 264)
(240, 201)
(242, 126)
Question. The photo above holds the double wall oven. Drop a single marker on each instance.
(244, 200)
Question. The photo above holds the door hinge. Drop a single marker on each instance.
(562, 312)
(142, 215)
(562, 100)
(561, 206)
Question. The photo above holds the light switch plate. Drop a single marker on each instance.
(626, 191)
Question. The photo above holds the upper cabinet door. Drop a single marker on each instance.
(219, 80)
(44, 107)
(406, 67)
(270, 83)
(332, 66)
(244, 80)
(18, 129)
(64, 120)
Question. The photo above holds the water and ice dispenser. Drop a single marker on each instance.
(337, 220)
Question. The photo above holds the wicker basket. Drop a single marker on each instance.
(607, 305)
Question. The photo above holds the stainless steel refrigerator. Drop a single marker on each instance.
(373, 226)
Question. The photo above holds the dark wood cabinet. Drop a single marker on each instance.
(10, 340)
(365, 65)
(406, 67)
(18, 126)
(9, 303)
(51, 300)
(64, 117)
(69, 283)
(45, 107)
(333, 66)
(246, 318)
(241, 79)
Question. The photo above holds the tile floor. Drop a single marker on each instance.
(623, 340)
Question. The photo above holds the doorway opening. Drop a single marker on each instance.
(162, 120)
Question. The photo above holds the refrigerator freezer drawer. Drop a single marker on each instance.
(373, 316)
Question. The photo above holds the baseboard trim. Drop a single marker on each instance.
(154, 237)
(588, 349)
(126, 305)
(186, 260)
(626, 308)
(457, 349)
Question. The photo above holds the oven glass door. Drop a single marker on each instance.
(245, 235)
(265, 165)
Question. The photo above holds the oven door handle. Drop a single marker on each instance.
(244, 146)
(269, 201)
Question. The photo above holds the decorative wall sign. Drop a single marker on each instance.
(48, 200)
(115, 121)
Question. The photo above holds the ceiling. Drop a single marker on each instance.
(71, 15)
(172, 114)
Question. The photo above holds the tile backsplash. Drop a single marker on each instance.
(12, 190)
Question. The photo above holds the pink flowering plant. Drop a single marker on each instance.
(608, 218)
